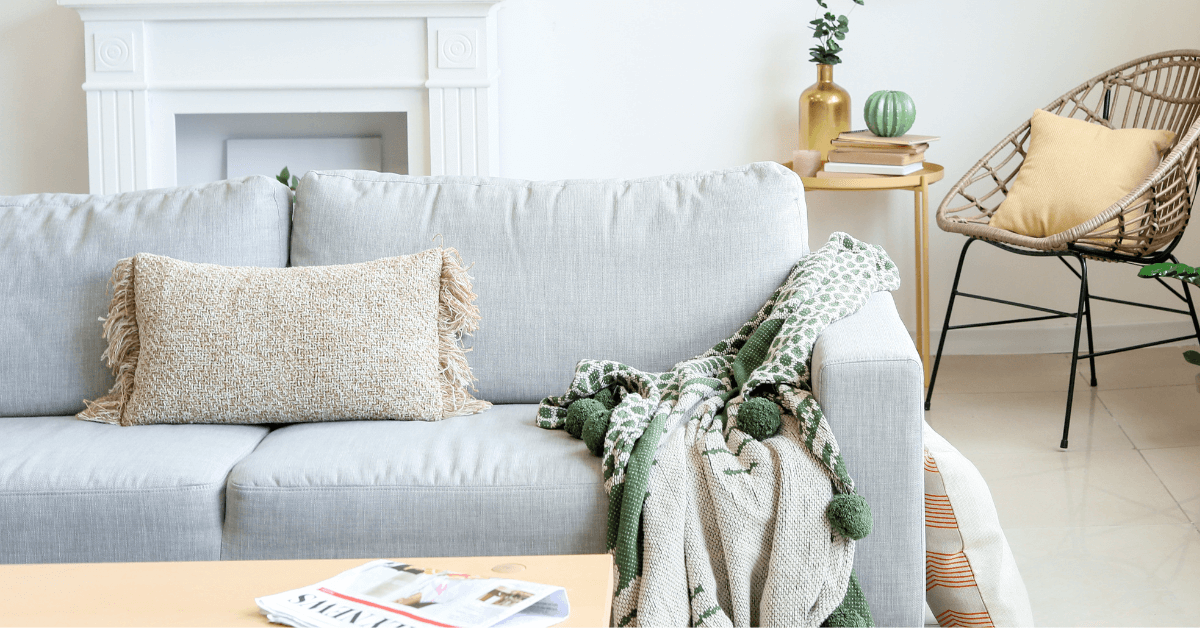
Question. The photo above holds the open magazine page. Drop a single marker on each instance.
(388, 594)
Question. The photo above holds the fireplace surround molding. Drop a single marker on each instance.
(149, 60)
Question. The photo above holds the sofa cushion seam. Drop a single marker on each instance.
(138, 194)
(819, 374)
(115, 491)
(486, 488)
(868, 361)
(548, 184)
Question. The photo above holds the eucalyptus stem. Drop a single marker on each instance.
(829, 29)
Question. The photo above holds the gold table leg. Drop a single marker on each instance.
(921, 233)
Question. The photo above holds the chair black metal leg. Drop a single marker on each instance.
(1192, 308)
(937, 361)
(1082, 313)
(1187, 293)
(1079, 316)
(1087, 298)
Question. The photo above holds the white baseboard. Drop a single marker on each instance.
(1008, 340)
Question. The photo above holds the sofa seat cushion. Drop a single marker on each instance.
(74, 491)
(486, 484)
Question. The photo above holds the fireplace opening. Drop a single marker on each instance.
(211, 147)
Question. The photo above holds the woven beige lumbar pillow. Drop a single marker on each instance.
(201, 343)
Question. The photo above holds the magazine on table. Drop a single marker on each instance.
(388, 594)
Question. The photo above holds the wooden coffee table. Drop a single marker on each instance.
(221, 593)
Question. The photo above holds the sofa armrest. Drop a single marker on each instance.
(868, 379)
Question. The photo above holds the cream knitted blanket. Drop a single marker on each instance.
(716, 521)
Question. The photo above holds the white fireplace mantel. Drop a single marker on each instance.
(149, 60)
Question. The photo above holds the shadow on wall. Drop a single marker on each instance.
(43, 111)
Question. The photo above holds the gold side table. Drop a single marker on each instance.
(918, 183)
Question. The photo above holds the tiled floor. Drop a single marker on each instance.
(1106, 533)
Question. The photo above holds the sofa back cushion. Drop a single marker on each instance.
(647, 272)
(58, 251)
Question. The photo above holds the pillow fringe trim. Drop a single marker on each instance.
(457, 315)
(121, 332)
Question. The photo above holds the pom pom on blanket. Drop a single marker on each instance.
(606, 398)
(760, 418)
(849, 515)
(579, 412)
(594, 430)
(667, 447)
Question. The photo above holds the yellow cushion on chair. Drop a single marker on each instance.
(1074, 170)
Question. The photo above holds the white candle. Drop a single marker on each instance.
(806, 163)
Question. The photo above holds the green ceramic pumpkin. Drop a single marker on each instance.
(889, 114)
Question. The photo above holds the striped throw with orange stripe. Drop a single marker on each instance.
(971, 578)
(952, 618)
(952, 571)
(950, 586)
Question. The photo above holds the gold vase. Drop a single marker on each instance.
(824, 112)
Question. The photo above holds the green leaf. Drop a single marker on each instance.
(1150, 271)
(1192, 356)
(283, 176)
(1156, 270)
(295, 181)
(1167, 269)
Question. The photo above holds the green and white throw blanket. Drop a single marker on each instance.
(729, 503)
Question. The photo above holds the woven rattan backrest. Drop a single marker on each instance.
(1160, 91)
(1156, 92)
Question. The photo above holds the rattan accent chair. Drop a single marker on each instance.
(1160, 91)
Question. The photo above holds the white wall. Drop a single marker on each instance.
(645, 88)
(43, 113)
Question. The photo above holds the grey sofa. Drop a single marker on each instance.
(646, 271)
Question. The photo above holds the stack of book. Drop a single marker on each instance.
(862, 153)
